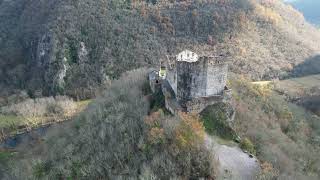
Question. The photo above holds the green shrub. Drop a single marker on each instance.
(247, 145)
(40, 169)
(54, 109)
(190, 132)
(215, 121)
(4, 156)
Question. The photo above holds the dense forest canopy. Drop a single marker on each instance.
(47, 46)
(57, 56)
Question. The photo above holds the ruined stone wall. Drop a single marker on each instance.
(184, 81)
(171, 77)
(198, 72)
(195, 105)
(199, 104)
(203, 78)
(154, 81)
(217, 78)
(191, 80)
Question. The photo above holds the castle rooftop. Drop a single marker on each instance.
(187, 56)
(191, 57)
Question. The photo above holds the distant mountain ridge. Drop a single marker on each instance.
(310, 9)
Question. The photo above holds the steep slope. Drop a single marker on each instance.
(275, 41)
(285, 135)
(115, 138)
(71, 47)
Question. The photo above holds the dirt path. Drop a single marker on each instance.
(234, 163)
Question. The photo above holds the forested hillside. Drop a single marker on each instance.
(117, 137)
(81, 48)
(72, 47)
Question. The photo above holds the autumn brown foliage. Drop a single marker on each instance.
(117, 138)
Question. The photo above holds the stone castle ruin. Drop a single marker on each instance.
(191, 82)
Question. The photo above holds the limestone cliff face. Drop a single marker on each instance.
(42, 60)
(61, 68)
(83, 54)
(44, 51)
(48, 66)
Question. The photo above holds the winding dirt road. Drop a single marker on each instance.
(234, 163)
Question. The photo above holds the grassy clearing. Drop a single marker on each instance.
(5, 155)
(304, 91)
(83, 104)
(297, 87)
(307, 81)
(10, 121)
(262, 83)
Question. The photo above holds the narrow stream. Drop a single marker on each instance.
(27, 137)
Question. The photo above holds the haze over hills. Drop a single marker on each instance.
(45, 47)
(309, 8)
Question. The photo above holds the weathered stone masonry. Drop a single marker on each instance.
(193, 82)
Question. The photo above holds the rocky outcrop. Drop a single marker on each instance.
(83, 54)
(65, 67)
(44, 51)
(49, 67)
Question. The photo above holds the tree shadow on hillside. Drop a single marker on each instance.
(309, 67)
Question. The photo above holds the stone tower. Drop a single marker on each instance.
(193, 77)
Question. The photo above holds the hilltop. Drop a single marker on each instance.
(73, 47)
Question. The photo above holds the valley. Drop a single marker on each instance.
(238, 95)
